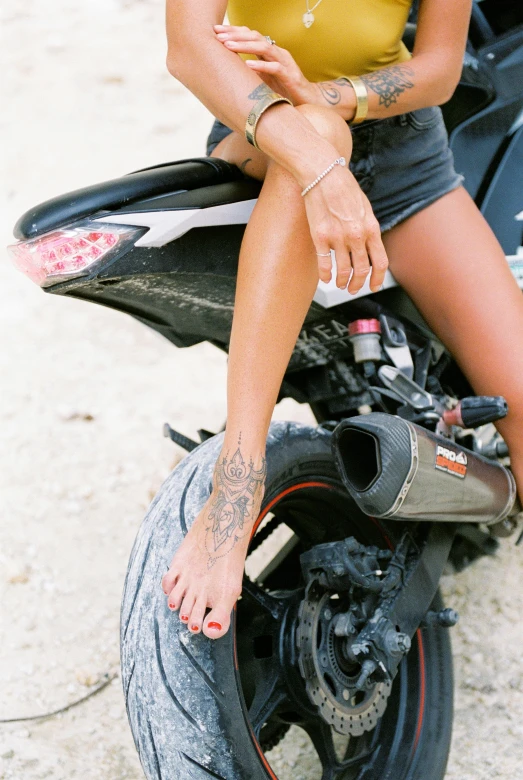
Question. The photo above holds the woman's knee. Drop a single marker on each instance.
(328, 124)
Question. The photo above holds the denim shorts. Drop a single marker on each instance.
(402, 163)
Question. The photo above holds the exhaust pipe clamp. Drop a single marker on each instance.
(411, 475)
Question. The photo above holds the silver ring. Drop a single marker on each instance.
(320, 254)
(269, 39)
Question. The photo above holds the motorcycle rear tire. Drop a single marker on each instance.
(183, 693)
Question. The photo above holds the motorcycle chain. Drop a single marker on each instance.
(264, 533)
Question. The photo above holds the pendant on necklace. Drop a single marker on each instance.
(308, 18)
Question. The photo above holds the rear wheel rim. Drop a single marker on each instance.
(262, 618)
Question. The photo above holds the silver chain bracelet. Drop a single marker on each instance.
(339, 161)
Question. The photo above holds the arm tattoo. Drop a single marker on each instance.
(389, 83)
(237, 487)
(330, 92)
(261, 91)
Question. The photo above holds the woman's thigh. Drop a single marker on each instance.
(237, 150)
(449, 261)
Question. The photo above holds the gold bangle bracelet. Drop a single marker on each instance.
(257, 110)
(362, 99)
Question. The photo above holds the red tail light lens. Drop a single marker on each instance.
(68, 253)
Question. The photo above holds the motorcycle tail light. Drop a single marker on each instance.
(68, 253)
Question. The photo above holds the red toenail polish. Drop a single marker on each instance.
(171, 606)
(184, 617)
(194, 628)
(214, 625)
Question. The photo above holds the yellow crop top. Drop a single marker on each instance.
(347, 38)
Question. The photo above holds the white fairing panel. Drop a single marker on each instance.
(167, 226)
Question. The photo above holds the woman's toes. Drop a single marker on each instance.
(169, 579)
(176, 596)
(197, 615)
(187, 607)
(217, 622)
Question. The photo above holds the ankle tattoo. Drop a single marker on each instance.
(237, 491)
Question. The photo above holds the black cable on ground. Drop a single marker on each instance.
(108, 679)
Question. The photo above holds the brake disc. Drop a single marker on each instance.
(330, 680)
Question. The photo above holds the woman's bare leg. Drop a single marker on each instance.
(277, 277)
(449, 261)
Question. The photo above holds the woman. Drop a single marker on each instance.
(419, 219)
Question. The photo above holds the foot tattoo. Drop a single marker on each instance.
(205, 577)
(236, 485)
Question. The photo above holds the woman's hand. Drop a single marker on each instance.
(276, 66)
(339, 213)
(341, 218)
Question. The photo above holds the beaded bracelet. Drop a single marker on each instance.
(339, 161)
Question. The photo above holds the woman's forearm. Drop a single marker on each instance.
(224, 84)
(420, 82)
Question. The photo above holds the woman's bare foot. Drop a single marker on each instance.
(207, 570)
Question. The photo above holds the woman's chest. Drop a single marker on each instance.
(293, 17)
(357, 35)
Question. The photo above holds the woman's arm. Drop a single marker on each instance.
(429, 78)
(221, 81)
(338, 213)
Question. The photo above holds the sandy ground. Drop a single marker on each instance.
(84, 394)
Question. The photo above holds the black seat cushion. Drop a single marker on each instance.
(149, 182)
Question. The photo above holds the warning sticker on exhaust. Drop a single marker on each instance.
(452, 462)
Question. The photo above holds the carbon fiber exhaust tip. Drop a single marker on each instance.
(395, 469)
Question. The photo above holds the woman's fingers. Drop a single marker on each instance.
(274, 68)
(247, 35)
(378, 258)
(323, 254)
(343, 264)
(246, 41)
(324, 266)
(260, 48)
(239, 34)
(234, 30)
(360, 265)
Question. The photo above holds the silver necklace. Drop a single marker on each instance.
(308, 16)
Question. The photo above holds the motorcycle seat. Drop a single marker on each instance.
(165, 179)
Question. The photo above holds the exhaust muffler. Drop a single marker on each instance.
(395, 469)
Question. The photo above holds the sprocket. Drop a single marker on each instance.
(272, 734)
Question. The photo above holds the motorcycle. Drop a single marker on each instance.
(341, 631)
